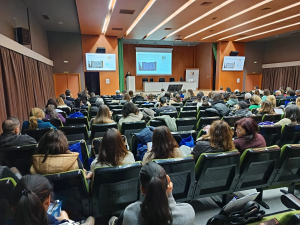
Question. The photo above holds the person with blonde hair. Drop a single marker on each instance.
(61, 104)
(266, 108)
(103, 116)
(187, 96)
(36, 120)
(144, 96)
(298, 102)
(272, 99)
(254, 102)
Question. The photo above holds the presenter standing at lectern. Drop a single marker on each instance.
(127, 74)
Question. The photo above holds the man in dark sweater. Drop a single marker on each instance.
(68, 96)
(11, 134)
(164, 107)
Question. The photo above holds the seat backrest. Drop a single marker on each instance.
(256, 118)
(274, 118)
(169, 113)
(55, 122)
(270, 133)
(112, 103)
(186, 124)
(84, 152)
(115, 107)
(147, 105)
(118, 117)
(204, 107)
(258, 167)
(161, 79)
(77, 121)
(204, 121)
(188, 103)
(72, 189)
(116, 112)
(182, 174)
(183, 134)
(216, 173)
(66, 110)
(38, 133)
(231, 119)
(204, 113)
(290, 134)
(114, 188)
(6, 187)
(177, 104)
(289, 169)
(132, 127)
(93, 113)
(157, 123)
(189, 108)
(98, 130)
(186, 114)
(74, 133)
(144, 79)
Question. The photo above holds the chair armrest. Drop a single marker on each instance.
(291, 201)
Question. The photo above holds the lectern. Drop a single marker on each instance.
(130, 83)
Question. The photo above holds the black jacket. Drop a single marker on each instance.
(203, 146)
(280, 97)
(70, 99)
(67, 102)
(12, 139)
(247, 101)
(219, 107)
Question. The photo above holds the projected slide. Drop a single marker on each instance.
(153, 62)
(98, 62)
(233, 63)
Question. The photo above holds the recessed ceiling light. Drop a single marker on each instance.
(250, 21)
(171, 17)
(280, 28)
(60, 23)
(230, 17)
(268, 24)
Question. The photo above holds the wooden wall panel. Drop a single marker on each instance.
(89, 45)
(182, 58)
(204, 61)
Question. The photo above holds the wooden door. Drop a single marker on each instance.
(253, 80)
(63, 81)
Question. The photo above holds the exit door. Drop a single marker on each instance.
(64, 81)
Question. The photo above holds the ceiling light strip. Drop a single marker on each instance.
(140, 16)
(280, 28)
(111, 6)
(230, 17)
(200, 17)
(258, 18)
(268, 24)
(171, 17)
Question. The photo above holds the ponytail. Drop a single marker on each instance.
(33, 124)
(155, 208)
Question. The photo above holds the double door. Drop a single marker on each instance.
(64, 81)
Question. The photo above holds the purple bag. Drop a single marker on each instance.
(265, 123)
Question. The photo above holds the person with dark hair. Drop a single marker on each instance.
(164, 146)
(85, 102)
(226, 97)
(218, 139)
(218, 105)
(292, 95)
(79, 104)
(11, 134)
(266, 94)
(163, 106)
(192, 94)
(36, 120)
(151, 98)
(176, 99)
(53, 102)
(159, 206)
(205, 101)
(50, 113)
(67, 102)
(103, 116)
(69, 96)
(199, 96)
(228, 90)
(246, 130)
(266, 108)
(241, 110)
(131, 94)
(131, 113)
(221, 90)
(93, 97)
(137, 97)
(256, 92)
(113, 151)
(128, 74)
(291, 116)
(233, 100)
(259, 92)
(30, 201)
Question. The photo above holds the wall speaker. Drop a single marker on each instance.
(233, 53)
(23, 36)
(100, 50)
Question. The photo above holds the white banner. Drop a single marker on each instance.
(192, 75)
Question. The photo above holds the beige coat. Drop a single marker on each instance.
(148, 157)
(54, 163)
(130, 118)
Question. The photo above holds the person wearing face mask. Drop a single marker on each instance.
(11, 134)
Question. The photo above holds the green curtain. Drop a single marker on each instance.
(121, 64)
(214, 46)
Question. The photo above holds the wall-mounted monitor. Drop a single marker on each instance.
(100, 62)
(233, 63)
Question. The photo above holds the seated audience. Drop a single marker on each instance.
(266, 94)
(131, 113)
(103, 116)
(266, 108)
(256, 92)
(68, 96)
(298, 102)
(233, 100)
(93, 97)
(260, 92)
(137, 98)
(30, 201)
(176, 99)
(124, 92)
(205, 101)
(118, 96)
(11, 134)
(199, 96)
(78, 104)
(98, 102)
(221, 90)
(84, 99)
(297, 92)
(247, 98)
(112, 151)
(193, 97)
(218, 139)
(86, 92)
(272, 99)
(241, 110)
(36, 120)
(246, 130)
(164, 146)
(292, 95)
(151, 98)
(131, 94)
(159, 206)
(53, 102)
(226, 97)
(164, 106)
(187, 96)
(218, 105)
(50, 113)
(279, 95)
(291, 116)
(228, 90)
(61, 104)
(67, 102)
(144, 96)
(254, 102)
(126, 98)
(167, 95)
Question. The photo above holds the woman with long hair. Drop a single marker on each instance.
(272, 99)
(246, 130)
(298, 102)
(50, 113)
(159, 206)
(112, 151)
(164, 146)
(36, 120)
(291, 116)
(151, 98)
(103, 115)
(53, 102)
(126, 97)
(266, 94)
(218, 139)
(257, 92)
(131, 113)
(131, 93)
(176, 99)
(60, 103)
(266, 108)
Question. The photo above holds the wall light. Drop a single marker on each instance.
(230, 17)
(258, 18)
(200, 17)
(171, 17)
(280, 28)
(268, 24)
(111, 6)
(140, 16)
